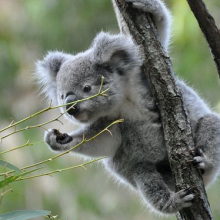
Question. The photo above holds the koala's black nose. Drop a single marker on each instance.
(75, 108)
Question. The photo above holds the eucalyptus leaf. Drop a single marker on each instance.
(14, 178)
(24, 215)
(7, 180)
(9, 166)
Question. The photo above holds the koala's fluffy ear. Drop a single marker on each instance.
(118, 51)
(46, 72)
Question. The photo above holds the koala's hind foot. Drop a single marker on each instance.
(57, 140)
(179, 200)
(155, 191)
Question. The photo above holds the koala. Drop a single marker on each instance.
(135, 150)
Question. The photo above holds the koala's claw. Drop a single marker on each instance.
(183, 198)
(62, 138)
(199, 159)
(195, 151)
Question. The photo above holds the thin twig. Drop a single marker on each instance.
(60, 170)
(27, 144)
(55, 119)
(12, 124)
(84, 140)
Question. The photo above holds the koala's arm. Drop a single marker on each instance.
(160, 15)
(156, 192)
(206, 129)
(104, 145)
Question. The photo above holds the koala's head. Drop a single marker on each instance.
(66, 78)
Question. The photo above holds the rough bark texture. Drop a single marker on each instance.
(177, 130)
(208, 27)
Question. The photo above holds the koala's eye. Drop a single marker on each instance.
(61, 96)
(87, 88)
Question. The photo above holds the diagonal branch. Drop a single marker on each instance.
(177, 131)
(208, 27)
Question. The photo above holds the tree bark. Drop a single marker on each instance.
(208, 27)
(176, 126)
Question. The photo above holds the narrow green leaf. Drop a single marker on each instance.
(24, 215)
(14, 178)
(7, 180)
(9, 166)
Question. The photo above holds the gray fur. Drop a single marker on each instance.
(135, 151)
(46, 72)
(161, 17)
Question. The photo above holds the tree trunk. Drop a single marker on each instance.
(176, 126)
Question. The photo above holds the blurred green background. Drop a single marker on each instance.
(28, 29)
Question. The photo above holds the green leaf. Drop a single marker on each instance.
(7, 180)
(23, 215)
(13, 178)
(9, 166)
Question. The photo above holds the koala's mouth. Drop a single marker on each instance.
(82, 116)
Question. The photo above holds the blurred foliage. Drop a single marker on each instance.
(28, 29)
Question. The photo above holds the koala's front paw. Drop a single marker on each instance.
(181, 199)
(57, 140)
(200, 160)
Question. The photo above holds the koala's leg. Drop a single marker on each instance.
(161, 17)
(207, 151)
(104, 145)
(156, 192)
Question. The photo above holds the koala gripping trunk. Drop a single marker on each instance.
(177, 130)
